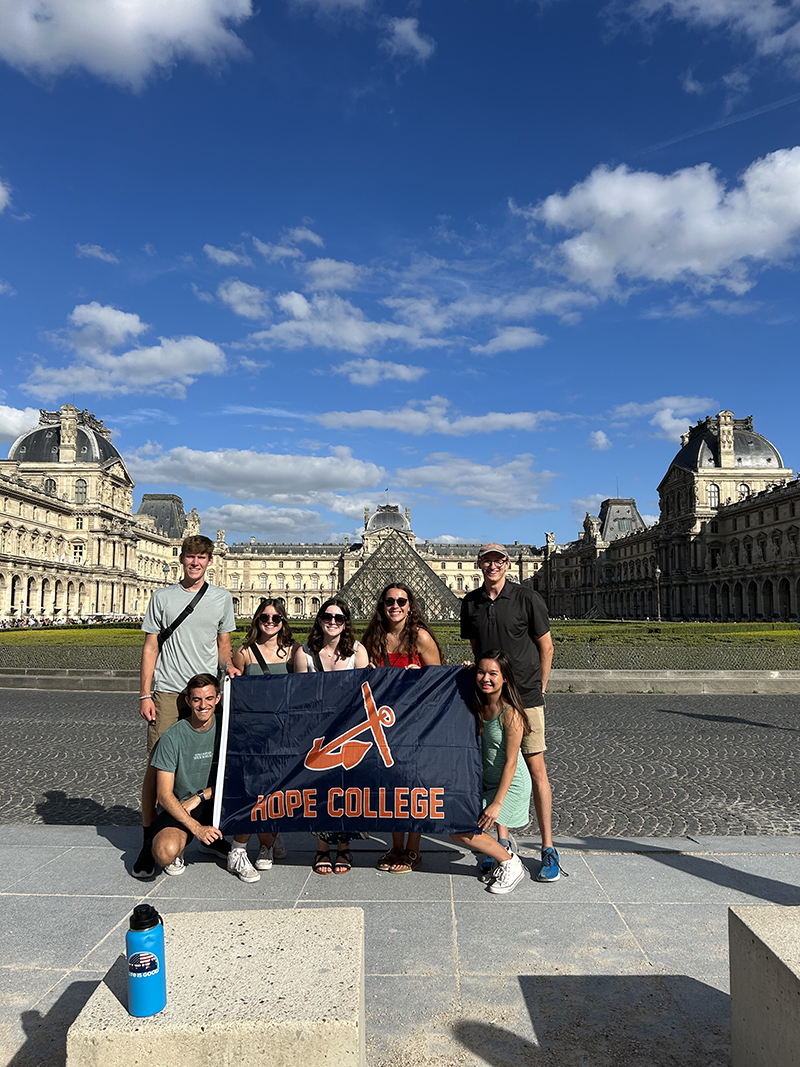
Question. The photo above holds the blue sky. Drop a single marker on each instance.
(492, 255)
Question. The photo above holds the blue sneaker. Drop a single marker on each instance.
(550, 870)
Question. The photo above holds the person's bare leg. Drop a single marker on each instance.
(168, 845)
(484, 843)
(400, 846)
(542, 796)
(149, 795)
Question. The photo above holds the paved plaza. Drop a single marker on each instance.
(670, 810)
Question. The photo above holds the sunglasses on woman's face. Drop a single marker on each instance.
(390, 601)
(270, 620)
(328, 616)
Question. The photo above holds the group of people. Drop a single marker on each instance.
(188, 630)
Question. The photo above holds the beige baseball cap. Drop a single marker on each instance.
(487, 550)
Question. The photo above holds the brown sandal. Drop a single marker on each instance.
(389, 859)
(409, 861)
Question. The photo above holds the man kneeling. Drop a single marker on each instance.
(185, 761)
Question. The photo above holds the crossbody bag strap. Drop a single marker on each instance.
(261, 661)
(184, 615)
(317, 662)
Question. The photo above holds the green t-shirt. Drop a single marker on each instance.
(190, 754)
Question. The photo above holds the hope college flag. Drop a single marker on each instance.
(383, 749)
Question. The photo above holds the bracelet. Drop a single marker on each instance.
(147, 696)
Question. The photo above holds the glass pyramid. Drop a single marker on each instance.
(394, 560)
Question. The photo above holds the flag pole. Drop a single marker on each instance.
(223, 750)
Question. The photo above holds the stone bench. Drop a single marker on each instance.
(247, 988)
(765, 986)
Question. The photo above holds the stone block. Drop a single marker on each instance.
(764, 947)
(245, 988)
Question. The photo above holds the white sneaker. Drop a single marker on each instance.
(278, 848)
(240, 865)
(178, 866)
(264, 861)
(507, 876)
(489, 868)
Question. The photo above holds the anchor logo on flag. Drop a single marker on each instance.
(344, 750)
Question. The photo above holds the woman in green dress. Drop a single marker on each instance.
(506, 782)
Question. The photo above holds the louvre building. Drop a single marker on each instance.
(725, 546)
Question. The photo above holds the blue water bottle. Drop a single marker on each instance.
(144, 947)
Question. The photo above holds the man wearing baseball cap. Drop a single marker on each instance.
(514, 618)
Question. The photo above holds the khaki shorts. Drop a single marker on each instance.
(169, 708)
(534, 741)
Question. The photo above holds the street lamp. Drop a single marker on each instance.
(657, 575)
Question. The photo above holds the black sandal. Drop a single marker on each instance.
(343, 859)
(322, 862)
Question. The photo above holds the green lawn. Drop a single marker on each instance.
(572, 633)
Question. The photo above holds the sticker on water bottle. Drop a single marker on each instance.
(142, 964)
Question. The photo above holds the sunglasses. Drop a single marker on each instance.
(328, 616)
(401, 601)
(268, 620)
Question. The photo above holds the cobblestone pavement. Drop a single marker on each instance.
(621, 766)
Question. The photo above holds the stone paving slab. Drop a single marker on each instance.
(625, 961)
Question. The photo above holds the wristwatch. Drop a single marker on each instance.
(202, 794)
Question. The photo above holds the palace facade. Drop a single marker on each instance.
(725, 546)
(70, 545)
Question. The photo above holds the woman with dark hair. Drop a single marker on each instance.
(269, 648)
(506, 782)
(332, 646)
(398, 636)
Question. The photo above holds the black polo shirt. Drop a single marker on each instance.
(510, 623)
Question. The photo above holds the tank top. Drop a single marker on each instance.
(262, 666)
(314, 663)
(402, 659)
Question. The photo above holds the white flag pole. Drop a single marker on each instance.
(223, 750)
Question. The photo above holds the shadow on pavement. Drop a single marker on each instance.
(58, 807)
(46, 1035)
(587, 1020)
(735, 719)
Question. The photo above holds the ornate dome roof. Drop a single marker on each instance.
(388, 517)
(701, 447)
(42, 444)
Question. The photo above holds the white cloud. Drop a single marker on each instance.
(501, 488)
(599, 441)
(201, 294)
(95, 252)
(228, 257)
(122, 41)
(451, 539)
(331, 322)
(402, 40)
(691, 85)
(299, 234)
(580, 505)
(333, 274)
(671, 415)
(772, 27)
(273, 524)
(167, 368)
(372, 371)
(15, 421)
(291, 480)
(5, 195)
(683, 227)
(246, 300)
(276, 253)
(6, 288)
(510, 339)
(333, 7)
(432, 417)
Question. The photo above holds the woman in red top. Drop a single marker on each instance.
(398, 636)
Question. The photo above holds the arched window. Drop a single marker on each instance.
(80, 491)
(713, 495)
(298, 606)
(744, 490)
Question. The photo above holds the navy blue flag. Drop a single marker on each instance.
(383, 749)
